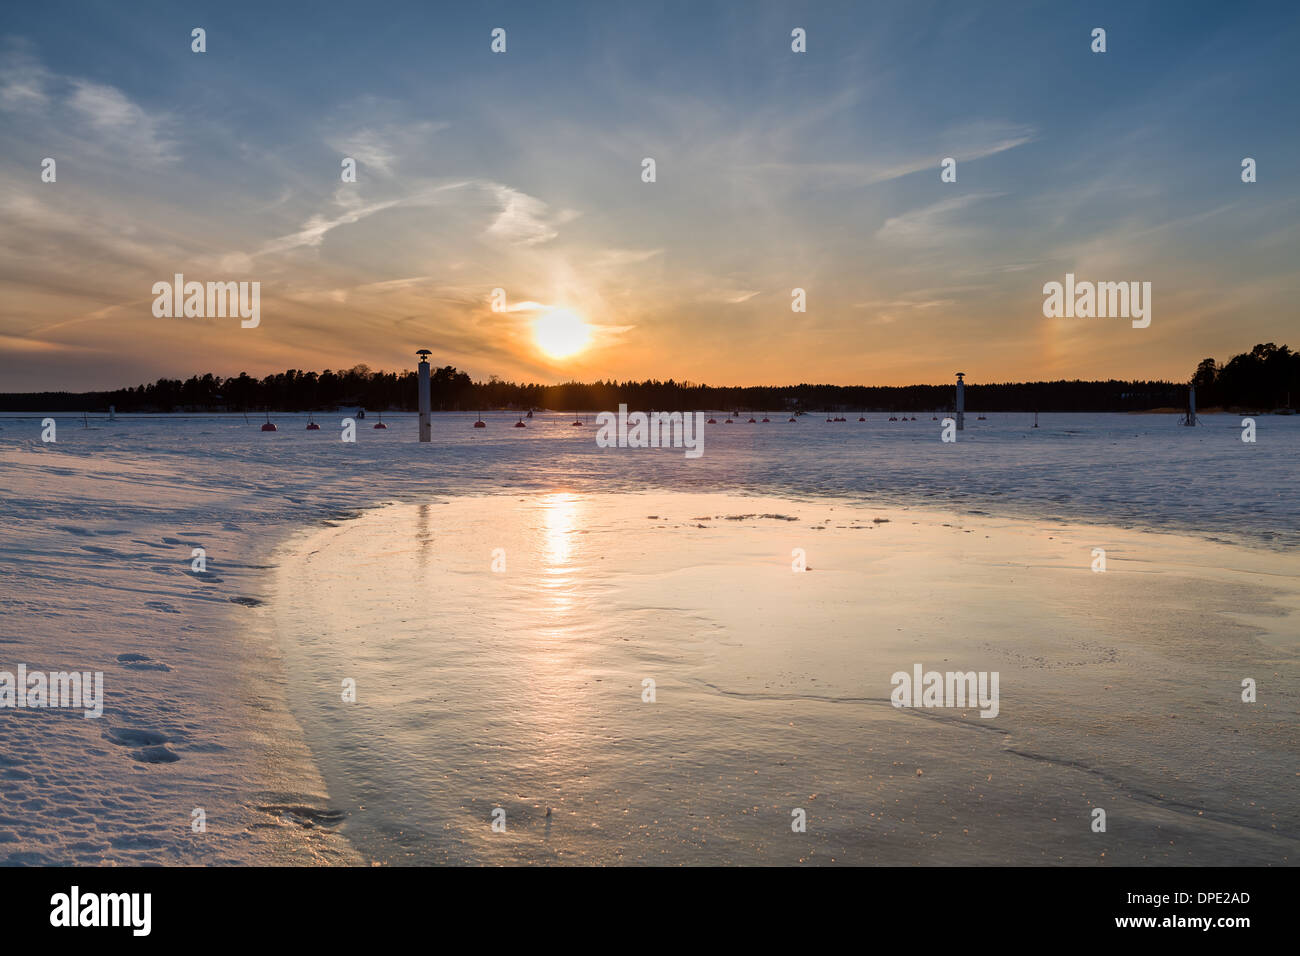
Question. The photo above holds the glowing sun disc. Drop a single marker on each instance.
(560, 333)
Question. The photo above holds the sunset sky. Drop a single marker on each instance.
(522, 171)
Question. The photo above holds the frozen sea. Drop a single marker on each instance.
(520, 688)
(1140, 471)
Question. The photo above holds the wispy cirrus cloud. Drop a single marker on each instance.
(730, 296)
(318, 226)
(24, 80)
(524, 220)
(966, 143)
(120, 121)
(935, 224)
(77, 115)
(520, 219)
(379, 138)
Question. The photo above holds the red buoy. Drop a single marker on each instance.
(766, 419)
(520, 424)
(313, 427)
(268, 427)
(480, 424)
(712, 421)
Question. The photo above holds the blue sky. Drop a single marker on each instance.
(521, 171)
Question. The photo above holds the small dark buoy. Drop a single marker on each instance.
(766, 419)
(313, 427)
(480, 424)
(520, 424)
(380, 423)
(268, 427)
(753, 421)
(791, 419)
(712, 421)
(577, 421)
(728, 422)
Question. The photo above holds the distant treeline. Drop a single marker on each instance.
(1260, 379)
(1266, 377)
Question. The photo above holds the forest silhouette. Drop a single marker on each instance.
(1265, 378)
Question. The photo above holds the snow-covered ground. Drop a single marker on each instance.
(97, 532)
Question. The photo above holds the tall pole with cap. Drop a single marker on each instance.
(961, 402)
(426, 427)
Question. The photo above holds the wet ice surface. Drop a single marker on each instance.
(522, 688)
(96, 535)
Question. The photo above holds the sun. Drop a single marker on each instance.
(559, 333)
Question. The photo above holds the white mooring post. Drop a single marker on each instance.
(426, 428)
(1190, 418)
(961, 402)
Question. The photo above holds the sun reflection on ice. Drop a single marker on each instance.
(560, 513)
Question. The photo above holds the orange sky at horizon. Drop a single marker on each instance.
(775, 171)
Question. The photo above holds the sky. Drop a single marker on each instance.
(523, 171)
